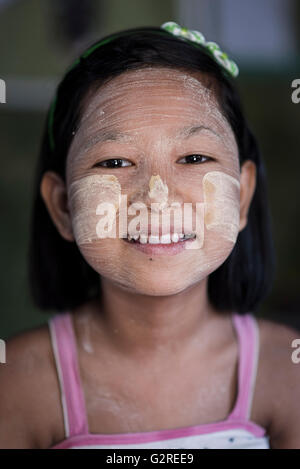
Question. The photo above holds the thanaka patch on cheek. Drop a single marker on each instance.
(221, 201)
(96, 195)
(85, 196)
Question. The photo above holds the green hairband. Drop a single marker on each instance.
(185, 34)
(211, 47)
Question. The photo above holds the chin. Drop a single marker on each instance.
(159, 289)
(160, 285)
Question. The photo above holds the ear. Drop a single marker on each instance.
(247, 188)
(54, 193)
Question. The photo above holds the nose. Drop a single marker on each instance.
(156, 193)
(158, 196)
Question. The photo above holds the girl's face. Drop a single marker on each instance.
(151, 141)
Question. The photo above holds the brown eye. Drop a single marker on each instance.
(113, 163)
(195, 159)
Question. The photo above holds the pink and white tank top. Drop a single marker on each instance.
(237, 431)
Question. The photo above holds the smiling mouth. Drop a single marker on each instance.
(161, 240)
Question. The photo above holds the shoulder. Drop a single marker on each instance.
(29, 405)
(280, 378)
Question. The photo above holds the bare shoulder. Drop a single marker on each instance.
(29, 404)
(280, 381)
(271, 330)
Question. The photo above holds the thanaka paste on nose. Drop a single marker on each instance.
(158, 191)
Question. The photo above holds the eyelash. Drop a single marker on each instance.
(207, 158)
(113, 159)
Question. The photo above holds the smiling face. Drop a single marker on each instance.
(158, 137)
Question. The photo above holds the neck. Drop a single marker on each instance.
(138, 323)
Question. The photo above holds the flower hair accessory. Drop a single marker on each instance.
(214, 50)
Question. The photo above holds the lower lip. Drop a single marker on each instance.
(160, 249)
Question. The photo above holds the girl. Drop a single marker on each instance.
(151, 241)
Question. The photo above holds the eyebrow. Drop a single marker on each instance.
(117, 136)
(105, 136)
(188, 131)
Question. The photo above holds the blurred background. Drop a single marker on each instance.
(38, 41)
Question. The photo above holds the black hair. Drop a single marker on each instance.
(60, 278)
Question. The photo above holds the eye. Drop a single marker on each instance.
(195, 159)
(113, 163)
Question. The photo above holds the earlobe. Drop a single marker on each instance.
(247, 189)
(54, 193)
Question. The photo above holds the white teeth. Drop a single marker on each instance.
(153, 239)
(143, 239)
(188, 236)
(131, 237)
(164, 239)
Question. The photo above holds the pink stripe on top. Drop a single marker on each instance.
(248, 338)
(75, 417)
(65, 353)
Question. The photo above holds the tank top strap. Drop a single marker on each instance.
(65, 353)
(247, 331)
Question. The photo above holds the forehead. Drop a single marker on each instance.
(152, 92)
(150, 105)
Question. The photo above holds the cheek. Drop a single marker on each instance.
(221, 201)
(87, 196)
(217, 227)
(96, 195)
(218, 216)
